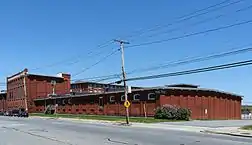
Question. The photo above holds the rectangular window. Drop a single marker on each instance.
(101, 104)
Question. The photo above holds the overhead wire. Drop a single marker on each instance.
(192, 71)
(200, 22)
(188, 16)
(96, 63)
(89, 55)
(179, 62)
(190, 60)
(192, 34)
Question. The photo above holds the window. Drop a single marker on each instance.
(101, 104)
(151, 96)
(122, 98)
(136, 97)
(112, 99)
(69, 109)
(77, 110)
(64, 110)
(84, 110)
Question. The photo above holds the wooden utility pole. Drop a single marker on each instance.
(124, 77)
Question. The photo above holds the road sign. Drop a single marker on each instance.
(127, 104)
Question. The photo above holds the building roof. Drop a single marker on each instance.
(90, 82)
(147, 89)
(25, 72)
(183, 85)
(38, 75)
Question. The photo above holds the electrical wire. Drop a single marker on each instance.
(189, 16)
(200, 22)
(99, 61)
(190, 60)
(192, 34)
(192, 71)
(185, 61)
(89, 55)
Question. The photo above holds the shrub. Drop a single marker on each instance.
(183, 114)
(172, 112)
(166, 112)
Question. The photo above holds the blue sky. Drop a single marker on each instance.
(35, 34)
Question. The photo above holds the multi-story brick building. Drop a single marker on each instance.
(23, 88)
(93, 87)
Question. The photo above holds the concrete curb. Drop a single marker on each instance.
(226, 133)
(81, 120)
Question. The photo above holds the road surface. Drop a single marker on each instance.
(35, 131)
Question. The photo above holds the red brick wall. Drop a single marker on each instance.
(41, 87)
(218, 107)
(222, 107)
(83, 106)
(15, 93)
(3, 105)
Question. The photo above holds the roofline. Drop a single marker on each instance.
(144, 89)
(100, 84)
(45, 76)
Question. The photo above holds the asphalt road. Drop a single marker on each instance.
(34, 131)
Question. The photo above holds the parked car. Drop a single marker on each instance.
(23, 114)
(15, 112)
(8, 113)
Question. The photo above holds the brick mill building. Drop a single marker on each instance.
(94, 88)
(23, 88)
(34, 92)
(204, 103)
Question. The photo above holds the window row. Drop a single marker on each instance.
(136, 97)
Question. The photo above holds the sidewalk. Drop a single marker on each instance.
(233, 131)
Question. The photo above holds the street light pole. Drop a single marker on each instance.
(124, 77)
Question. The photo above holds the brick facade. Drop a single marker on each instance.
(23, 88)
(3, 104)
(205, 104)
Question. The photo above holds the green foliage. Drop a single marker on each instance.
(172, 112)
(183, 114)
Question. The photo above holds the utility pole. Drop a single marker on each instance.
(124, 77)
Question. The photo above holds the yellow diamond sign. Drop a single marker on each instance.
(127, 104)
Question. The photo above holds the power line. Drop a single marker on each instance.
(192, 34)
(99, 61)
(190, 60)
(190, 16)
(201, 22)
(192, 71)
(185, 61)
(89, 54)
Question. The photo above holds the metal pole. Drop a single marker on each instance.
(124, 78)
(25, 92)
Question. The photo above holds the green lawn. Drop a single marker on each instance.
(103, 117)
(248, 127)
(247, 107)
